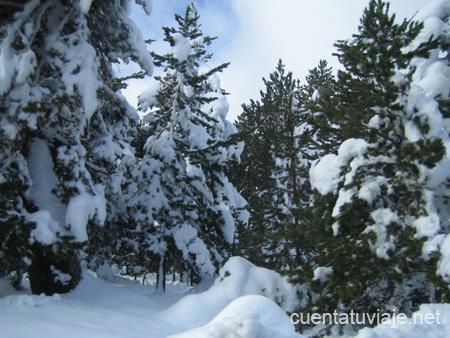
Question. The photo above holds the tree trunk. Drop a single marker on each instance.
(161, 277)
(50, 274)
(185, 276)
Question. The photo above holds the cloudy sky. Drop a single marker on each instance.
(254, 34)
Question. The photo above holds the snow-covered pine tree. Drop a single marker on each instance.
(64, 129)
(375, 241)
(184, 200)
(113, 130)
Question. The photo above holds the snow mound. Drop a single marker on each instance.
(237, 278)
(248, 316)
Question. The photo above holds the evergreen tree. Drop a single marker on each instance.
(252, 177)
(281, 101)
(64, 130)
(113, 130)
(268, 174)
(315, 135)
(376, 209)
(185, 202)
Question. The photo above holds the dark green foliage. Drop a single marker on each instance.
(283, 135)
(266, 127)
(252, 177)
(368, 229)
(368, 276)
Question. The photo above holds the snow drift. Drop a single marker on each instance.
(248, 316)
(237, 278)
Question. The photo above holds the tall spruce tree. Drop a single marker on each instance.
(376, 206)
(64, 130)
(184, 198)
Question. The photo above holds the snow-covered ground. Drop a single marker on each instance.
(94, 309)
(242, 302)
(126, 308)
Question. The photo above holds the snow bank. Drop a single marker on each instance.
(249, 316)
(237, 278)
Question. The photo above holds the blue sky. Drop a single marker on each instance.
(254, 34)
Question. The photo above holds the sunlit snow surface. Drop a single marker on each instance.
(125, 308)
(242, 300)
(94, 309)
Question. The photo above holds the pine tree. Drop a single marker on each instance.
(268, 174)
(315, 135)
(64, 129)
(252, 177)
(281, 101)
(113, 131)
(185, 202)
(367, 225)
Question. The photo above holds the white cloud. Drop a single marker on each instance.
(254, 34)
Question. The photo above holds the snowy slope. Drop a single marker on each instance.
(128, 309)
(241, 303)
(94, 309)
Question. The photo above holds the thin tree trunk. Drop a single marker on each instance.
(161, 276)
(185, 276)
